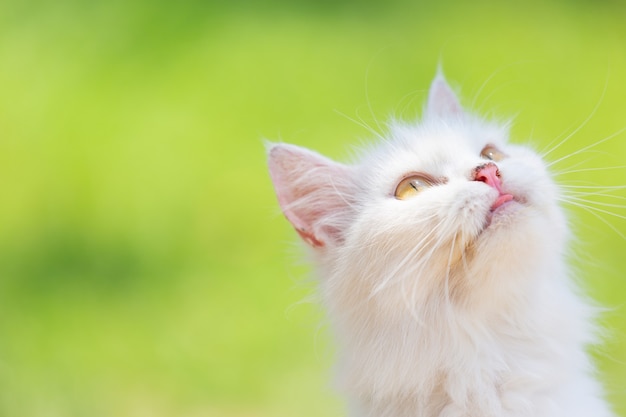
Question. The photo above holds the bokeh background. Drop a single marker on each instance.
(145, 269)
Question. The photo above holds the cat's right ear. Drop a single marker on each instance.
(313, 192)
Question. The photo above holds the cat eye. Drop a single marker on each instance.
(492, 153)
(411, 186)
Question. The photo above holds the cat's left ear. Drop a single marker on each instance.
(313, 192)
(442, 102)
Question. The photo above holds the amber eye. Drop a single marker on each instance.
(492, 153)
(411, 186)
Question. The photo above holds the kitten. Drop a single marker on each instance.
(441, 263)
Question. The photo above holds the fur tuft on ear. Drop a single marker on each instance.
(442, 102)
(314, 192)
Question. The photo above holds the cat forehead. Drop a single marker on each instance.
(438, 134)
(438, 144)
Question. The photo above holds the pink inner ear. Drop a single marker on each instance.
(306, 187)
(442, 102)
(281, 164)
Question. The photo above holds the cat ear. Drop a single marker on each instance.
(442, 102)
(313, 192)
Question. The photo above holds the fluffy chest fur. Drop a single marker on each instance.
(440, 254)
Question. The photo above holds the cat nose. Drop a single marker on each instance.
(489, 174)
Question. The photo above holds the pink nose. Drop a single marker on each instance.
(489, 174)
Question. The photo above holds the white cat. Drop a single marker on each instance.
(441, 263)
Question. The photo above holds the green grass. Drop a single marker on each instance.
(144, 267)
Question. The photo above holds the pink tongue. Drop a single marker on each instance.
(501, 200)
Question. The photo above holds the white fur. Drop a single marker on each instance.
(439, 311)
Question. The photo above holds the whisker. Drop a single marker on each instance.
(582, 205)
(542, 152)
(593, 112)
(495, 90)
(597, 203)
(595, 193)
(375, 237)
(367, 94)
(447, 278)
(341, 194)
(596, 187)
(584, 162)
(363, 125)
(571, 167)
(464, 259)
(488, 79)
(590, 169)
(591, 210)
(484, 84)
(419, 247)
(586, 148)
(410, 304)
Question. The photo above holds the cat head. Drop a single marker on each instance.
(436, 203)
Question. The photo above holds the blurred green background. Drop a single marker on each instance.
(145, 269)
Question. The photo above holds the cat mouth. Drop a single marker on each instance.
(502, 199)
(502, 209)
